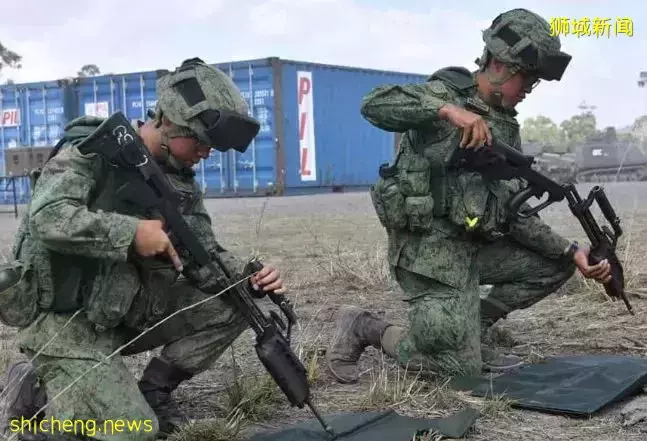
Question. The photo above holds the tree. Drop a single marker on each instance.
(540, 129)
(89, 70)
(639, 132)
(563, 138)
(9, 58)
(579, 128)
(543, 131)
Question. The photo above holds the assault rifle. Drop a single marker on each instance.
(147, 186)
(502, 162)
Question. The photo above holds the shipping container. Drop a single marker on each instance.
(312, 136)
(31, 114)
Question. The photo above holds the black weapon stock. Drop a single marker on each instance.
(502, 162)
(119, 143)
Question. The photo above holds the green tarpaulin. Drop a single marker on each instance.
(375, 426)
(575, 385)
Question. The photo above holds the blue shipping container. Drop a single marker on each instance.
(31, 114)
(312, 136)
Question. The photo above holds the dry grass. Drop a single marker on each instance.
(208, 430)
(250, 398)
(331, 251)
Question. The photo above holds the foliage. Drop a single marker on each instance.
(565, 137)
(89, 70)
(9, 58)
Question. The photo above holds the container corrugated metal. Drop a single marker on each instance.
(133, 94)
(312, 136)
(255, 170)
(328, 143)
(31, 114)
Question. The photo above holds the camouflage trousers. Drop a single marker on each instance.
(83, 385)
(445, 323)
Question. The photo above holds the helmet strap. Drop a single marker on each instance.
(166, 134)
(166, 151)
(496, 95)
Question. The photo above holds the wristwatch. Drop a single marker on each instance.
(571, 250)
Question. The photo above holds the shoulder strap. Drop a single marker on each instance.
(461, 80)
(456, 77)
(74, 132)
(56, 148)
(35, 174)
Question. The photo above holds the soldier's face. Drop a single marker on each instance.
(516, 87)
(188, 150)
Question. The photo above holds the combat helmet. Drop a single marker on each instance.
(203, 102)
(522, 40)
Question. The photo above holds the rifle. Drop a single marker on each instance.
(502, 162)
(117, 141)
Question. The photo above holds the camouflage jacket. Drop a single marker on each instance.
(83, 233)
(419, 197)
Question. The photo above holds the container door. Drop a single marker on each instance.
(32, 116)
(137, 94)
(253, 171)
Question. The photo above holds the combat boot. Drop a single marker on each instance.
(21, 397)
(493, 360)
(356, 329)
(158, 382)
(492, 311)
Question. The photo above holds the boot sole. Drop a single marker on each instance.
(341, 380)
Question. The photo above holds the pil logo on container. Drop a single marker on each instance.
(10, 118)
(307, 155)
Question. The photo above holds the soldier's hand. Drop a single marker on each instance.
(268, 279)
(601, 272)
(476, 132)
(151, 240)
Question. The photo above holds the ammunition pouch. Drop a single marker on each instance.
(420, 212)
(468, 203)
(112, 292)
(18, 294)
(479, 206)
(402, 195)
(25, 282)
(389, 202)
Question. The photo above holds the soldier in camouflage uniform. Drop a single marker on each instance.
(88, 250)
(448, 231)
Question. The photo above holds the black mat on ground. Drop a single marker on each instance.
(574, 385)
(375, 426)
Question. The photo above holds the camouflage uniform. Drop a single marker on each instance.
(448, 230)
(81, 238)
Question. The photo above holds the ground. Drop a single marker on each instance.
(331, 251)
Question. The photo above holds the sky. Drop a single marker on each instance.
(418, 36)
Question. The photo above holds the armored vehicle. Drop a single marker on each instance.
(560, 168)
(606, 160)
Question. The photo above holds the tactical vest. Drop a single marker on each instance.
(59, 282)
(420, 187)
